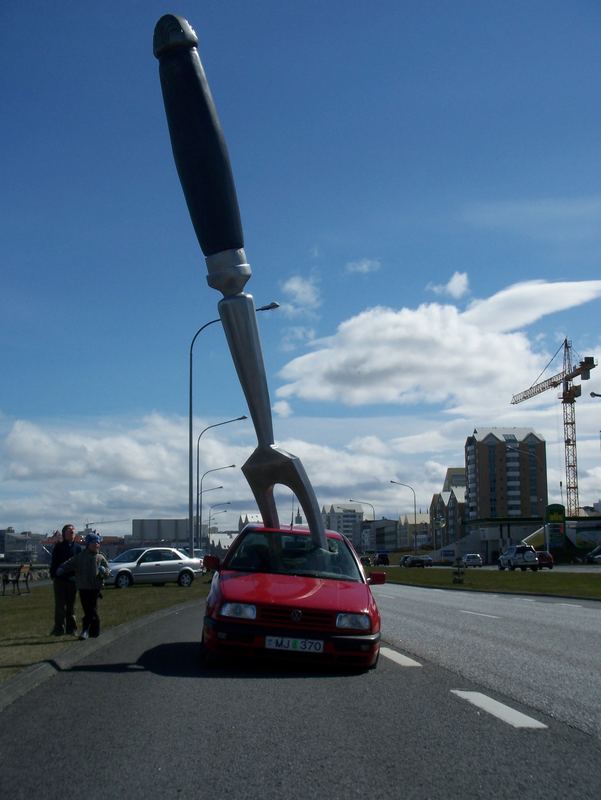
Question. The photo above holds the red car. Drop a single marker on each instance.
(277, 593)
(545, 559)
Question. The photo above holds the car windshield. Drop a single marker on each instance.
(129, 555)
(290, 553)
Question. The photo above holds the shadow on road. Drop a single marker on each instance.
(184, 660)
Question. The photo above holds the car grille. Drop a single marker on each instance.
(309, 618)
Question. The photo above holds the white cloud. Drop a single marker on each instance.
(457, 286)
(295, 336)
(302, 294)
(435, 353)
(364, 266)
(523, 303)
(282, 408)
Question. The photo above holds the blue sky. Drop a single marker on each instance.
(420, 189)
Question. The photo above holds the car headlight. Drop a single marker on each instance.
(357, 621)
(239, 610)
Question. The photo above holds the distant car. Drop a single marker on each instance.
(404, 559)
(418, 561)
(545, 559)
(382, 560)
(366, 561)
(156, 565)
(520, 555)
(277, 593)
(594, 556)
(472, 560)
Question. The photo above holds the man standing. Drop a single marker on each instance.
(64, 586)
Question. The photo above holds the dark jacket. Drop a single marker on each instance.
(60, 553)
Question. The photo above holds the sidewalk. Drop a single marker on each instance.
(34, 675)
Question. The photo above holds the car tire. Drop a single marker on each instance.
(523, 569)
(502, 568)
(534, 569)
(123, 581)
(185, 578)
(550, 566)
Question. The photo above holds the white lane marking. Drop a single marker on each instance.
(570, 605)
(478, 614)
(404, 661)
(499, 710)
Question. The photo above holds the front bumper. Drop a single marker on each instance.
(351, 648)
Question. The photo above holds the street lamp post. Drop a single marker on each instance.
(190, 450)
(216, 469)
(216, 425)
(211, 515)
(268, 307)
(373, 511)
(398, 483)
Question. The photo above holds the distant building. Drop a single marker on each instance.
(347, 518)
(414, 532)
(454, 479)
(447, 511)
(506, 473)
(151, 531)
(249, 519)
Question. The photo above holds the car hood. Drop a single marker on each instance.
(300, 591)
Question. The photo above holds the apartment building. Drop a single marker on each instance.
(506, 474)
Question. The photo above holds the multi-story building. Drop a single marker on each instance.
(346, 518)
(447, 510)
(506, 473)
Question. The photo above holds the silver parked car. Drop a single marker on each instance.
(156, 565)
(472, 560)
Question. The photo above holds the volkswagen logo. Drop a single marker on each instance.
(296, 615)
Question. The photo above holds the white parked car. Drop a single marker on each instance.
(472, 560)
(156, 565)
(519, 555)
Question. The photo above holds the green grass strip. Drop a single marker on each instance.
(27, 619)
(586, 585)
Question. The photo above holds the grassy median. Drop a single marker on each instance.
(563, 584)
(27, 619)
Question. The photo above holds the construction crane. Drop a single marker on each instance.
(568, 398)
(103, 522)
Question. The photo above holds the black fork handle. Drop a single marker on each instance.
(199, 148)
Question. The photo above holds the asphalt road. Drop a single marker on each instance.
(140, 718)
(540, 651)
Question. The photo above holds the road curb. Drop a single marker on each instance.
(33, 676)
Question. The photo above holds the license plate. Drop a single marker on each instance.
(294, 645)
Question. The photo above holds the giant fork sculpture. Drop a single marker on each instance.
(205, 173)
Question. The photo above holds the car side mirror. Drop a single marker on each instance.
(211, 563)
(376, 578)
